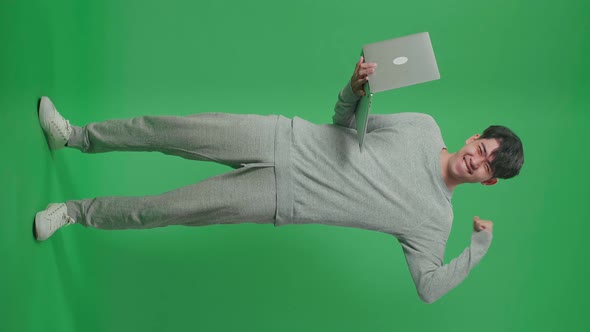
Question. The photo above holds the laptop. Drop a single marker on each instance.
(401, 62)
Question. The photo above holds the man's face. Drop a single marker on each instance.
(472, 163)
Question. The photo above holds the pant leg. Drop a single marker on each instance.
(229, 139)
(239, 196)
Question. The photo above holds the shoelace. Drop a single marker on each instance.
(64, 217)
(68, 129)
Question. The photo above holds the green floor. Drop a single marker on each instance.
(523, 64)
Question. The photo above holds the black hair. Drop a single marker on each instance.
(509, 157)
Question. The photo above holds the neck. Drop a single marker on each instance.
(451, 182)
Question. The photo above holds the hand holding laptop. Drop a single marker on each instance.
(403, 61)
(360, 76)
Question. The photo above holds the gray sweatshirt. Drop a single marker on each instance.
(394, 186)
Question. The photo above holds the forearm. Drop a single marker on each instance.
(345, 108)
(434, 280)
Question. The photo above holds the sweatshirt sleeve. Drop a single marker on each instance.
(434, 279)
(345, 108)
(344, 114)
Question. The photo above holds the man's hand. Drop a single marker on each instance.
(360, 76)
(479, 225)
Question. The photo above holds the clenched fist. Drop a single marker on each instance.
(479, 225)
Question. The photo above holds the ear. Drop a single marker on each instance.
(472, 138)
(490, 182)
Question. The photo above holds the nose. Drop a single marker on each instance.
(477, 161)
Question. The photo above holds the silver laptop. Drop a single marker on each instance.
(400, 62)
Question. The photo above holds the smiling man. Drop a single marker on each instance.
(476, 161)
(291, 171)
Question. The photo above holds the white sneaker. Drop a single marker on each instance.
(51, 219)
(57, 129)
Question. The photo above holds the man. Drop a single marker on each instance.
(290, 171)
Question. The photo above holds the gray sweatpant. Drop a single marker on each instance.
(245, 194)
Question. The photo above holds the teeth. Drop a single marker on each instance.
(466, 167)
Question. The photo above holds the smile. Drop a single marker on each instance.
(466, 166)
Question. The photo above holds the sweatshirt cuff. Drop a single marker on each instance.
(480, 242)
(347, 95)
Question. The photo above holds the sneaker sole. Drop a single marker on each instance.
(37, 217)
(46, 127)
(35, 226)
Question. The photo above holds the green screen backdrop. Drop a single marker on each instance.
(523, 64)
